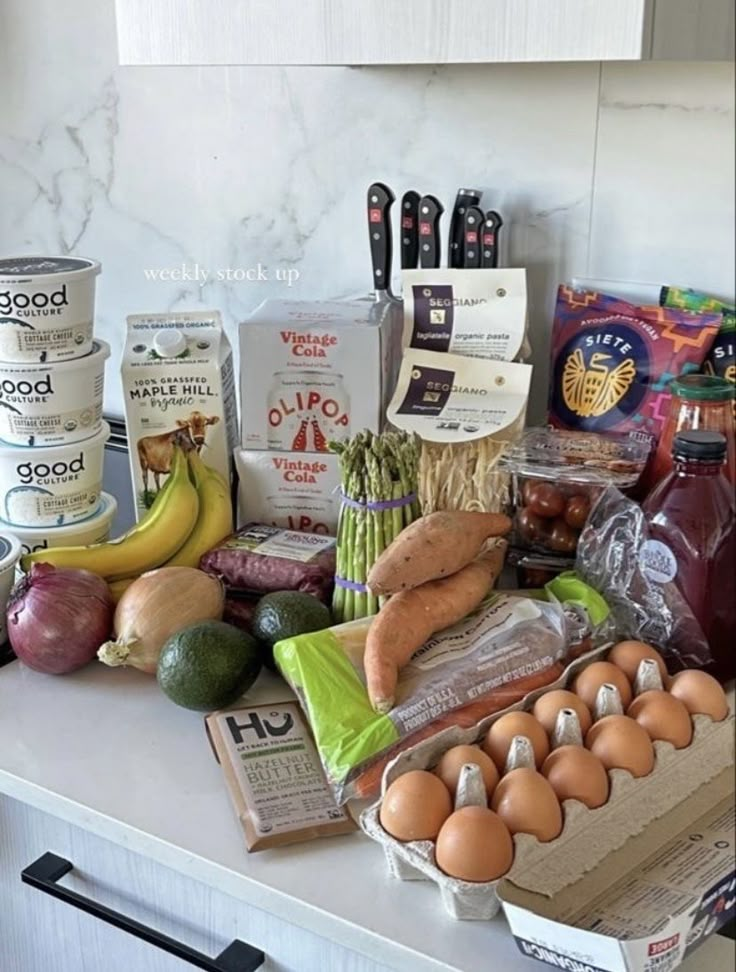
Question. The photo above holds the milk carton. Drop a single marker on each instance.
(179, 388)
(291, 490)
(316, 371)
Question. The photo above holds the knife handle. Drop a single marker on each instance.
(380, 200)
(491, 227)
(463, 199)
(430, 212)
(472, 234)
(410, 229)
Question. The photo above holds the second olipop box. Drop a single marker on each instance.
(313, 372)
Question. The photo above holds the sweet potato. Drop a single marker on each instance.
(411, 617)
(432, 547)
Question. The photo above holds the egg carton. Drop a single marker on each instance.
(587, 837)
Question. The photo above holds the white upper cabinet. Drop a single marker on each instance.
(362, 32)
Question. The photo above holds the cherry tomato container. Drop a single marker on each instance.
(556, 476)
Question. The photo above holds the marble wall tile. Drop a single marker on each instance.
(220, 169)
(663, 207)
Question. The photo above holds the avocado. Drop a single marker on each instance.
(286, 614)
(208, 665)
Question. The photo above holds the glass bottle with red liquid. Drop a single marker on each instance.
(692, 513)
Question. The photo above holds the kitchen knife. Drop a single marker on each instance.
(472, 233)
(410, 229)
(430, 211)
(491, 227)
(464, 198)
(380, 200)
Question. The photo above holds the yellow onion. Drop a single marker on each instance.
(156, 606)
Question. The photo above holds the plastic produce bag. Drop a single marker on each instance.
(509, 646)
(617, 557)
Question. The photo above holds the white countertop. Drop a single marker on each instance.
(103, 749)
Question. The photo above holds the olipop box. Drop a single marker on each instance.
(316, 371)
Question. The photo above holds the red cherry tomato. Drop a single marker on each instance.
(576, 512)
(546, 500)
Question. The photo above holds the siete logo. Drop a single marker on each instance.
(22, 389)
(41, 472)
(28, 304)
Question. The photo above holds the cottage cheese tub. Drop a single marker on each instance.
(95, 529)
(52, 404)
(52, 485)
(10, 551)
(46, 308)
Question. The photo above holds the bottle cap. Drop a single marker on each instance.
(169, 344)
(702, 388)
(699, 444)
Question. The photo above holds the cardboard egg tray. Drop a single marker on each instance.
(587, 837)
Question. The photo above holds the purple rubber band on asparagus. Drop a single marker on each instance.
(351, 585)
(382, 505)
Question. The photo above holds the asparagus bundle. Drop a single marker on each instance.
(379, 475)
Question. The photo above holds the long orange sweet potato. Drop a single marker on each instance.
(412, 617)
(432, 547)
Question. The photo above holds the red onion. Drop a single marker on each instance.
(58, 618)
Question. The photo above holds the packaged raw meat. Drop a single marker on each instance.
(494, 657)
(258, 559)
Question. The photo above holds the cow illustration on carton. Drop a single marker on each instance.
(179, 390)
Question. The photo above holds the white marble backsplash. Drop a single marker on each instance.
(621, 172)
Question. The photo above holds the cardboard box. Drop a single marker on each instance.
(291, 490)
(179, 388)
(315, 371)
(649, 904)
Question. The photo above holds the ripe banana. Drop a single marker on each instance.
(215, 520)
(161, 532)
(119, 587)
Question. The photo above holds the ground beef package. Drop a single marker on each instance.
(259, 559)
(612, 361)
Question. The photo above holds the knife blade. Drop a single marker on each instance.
(380, 200)
(463, 199)
(472, 232)
(430, 213)
(410, 229)
(489, 250)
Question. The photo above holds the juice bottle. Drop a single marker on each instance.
(698, 402)
(692, 522)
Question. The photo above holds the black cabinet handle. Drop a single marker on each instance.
(48, 869)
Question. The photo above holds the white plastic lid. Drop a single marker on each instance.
(169, 344)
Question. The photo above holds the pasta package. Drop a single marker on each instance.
(612, 361)
(477, 313)
(465, 410)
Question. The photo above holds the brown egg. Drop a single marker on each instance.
(415, 806)
(663, 716)
(575, 773)
(474, 844)
(621, 743)
(626, 655)
(599, 673)
(499, 736)
(527, 804)
(700, 693)
(562, 538)
(449, 766)
(576, 512)
(545, 500)
(547, 707)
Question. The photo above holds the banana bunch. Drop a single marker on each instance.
(189, 516)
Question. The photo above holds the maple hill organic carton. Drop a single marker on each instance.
(294, 491)
(179, 388)
(316, 371)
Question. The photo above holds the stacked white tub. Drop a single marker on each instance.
(52, 435)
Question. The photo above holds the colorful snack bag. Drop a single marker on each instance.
(612, 361)
(721, 359)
